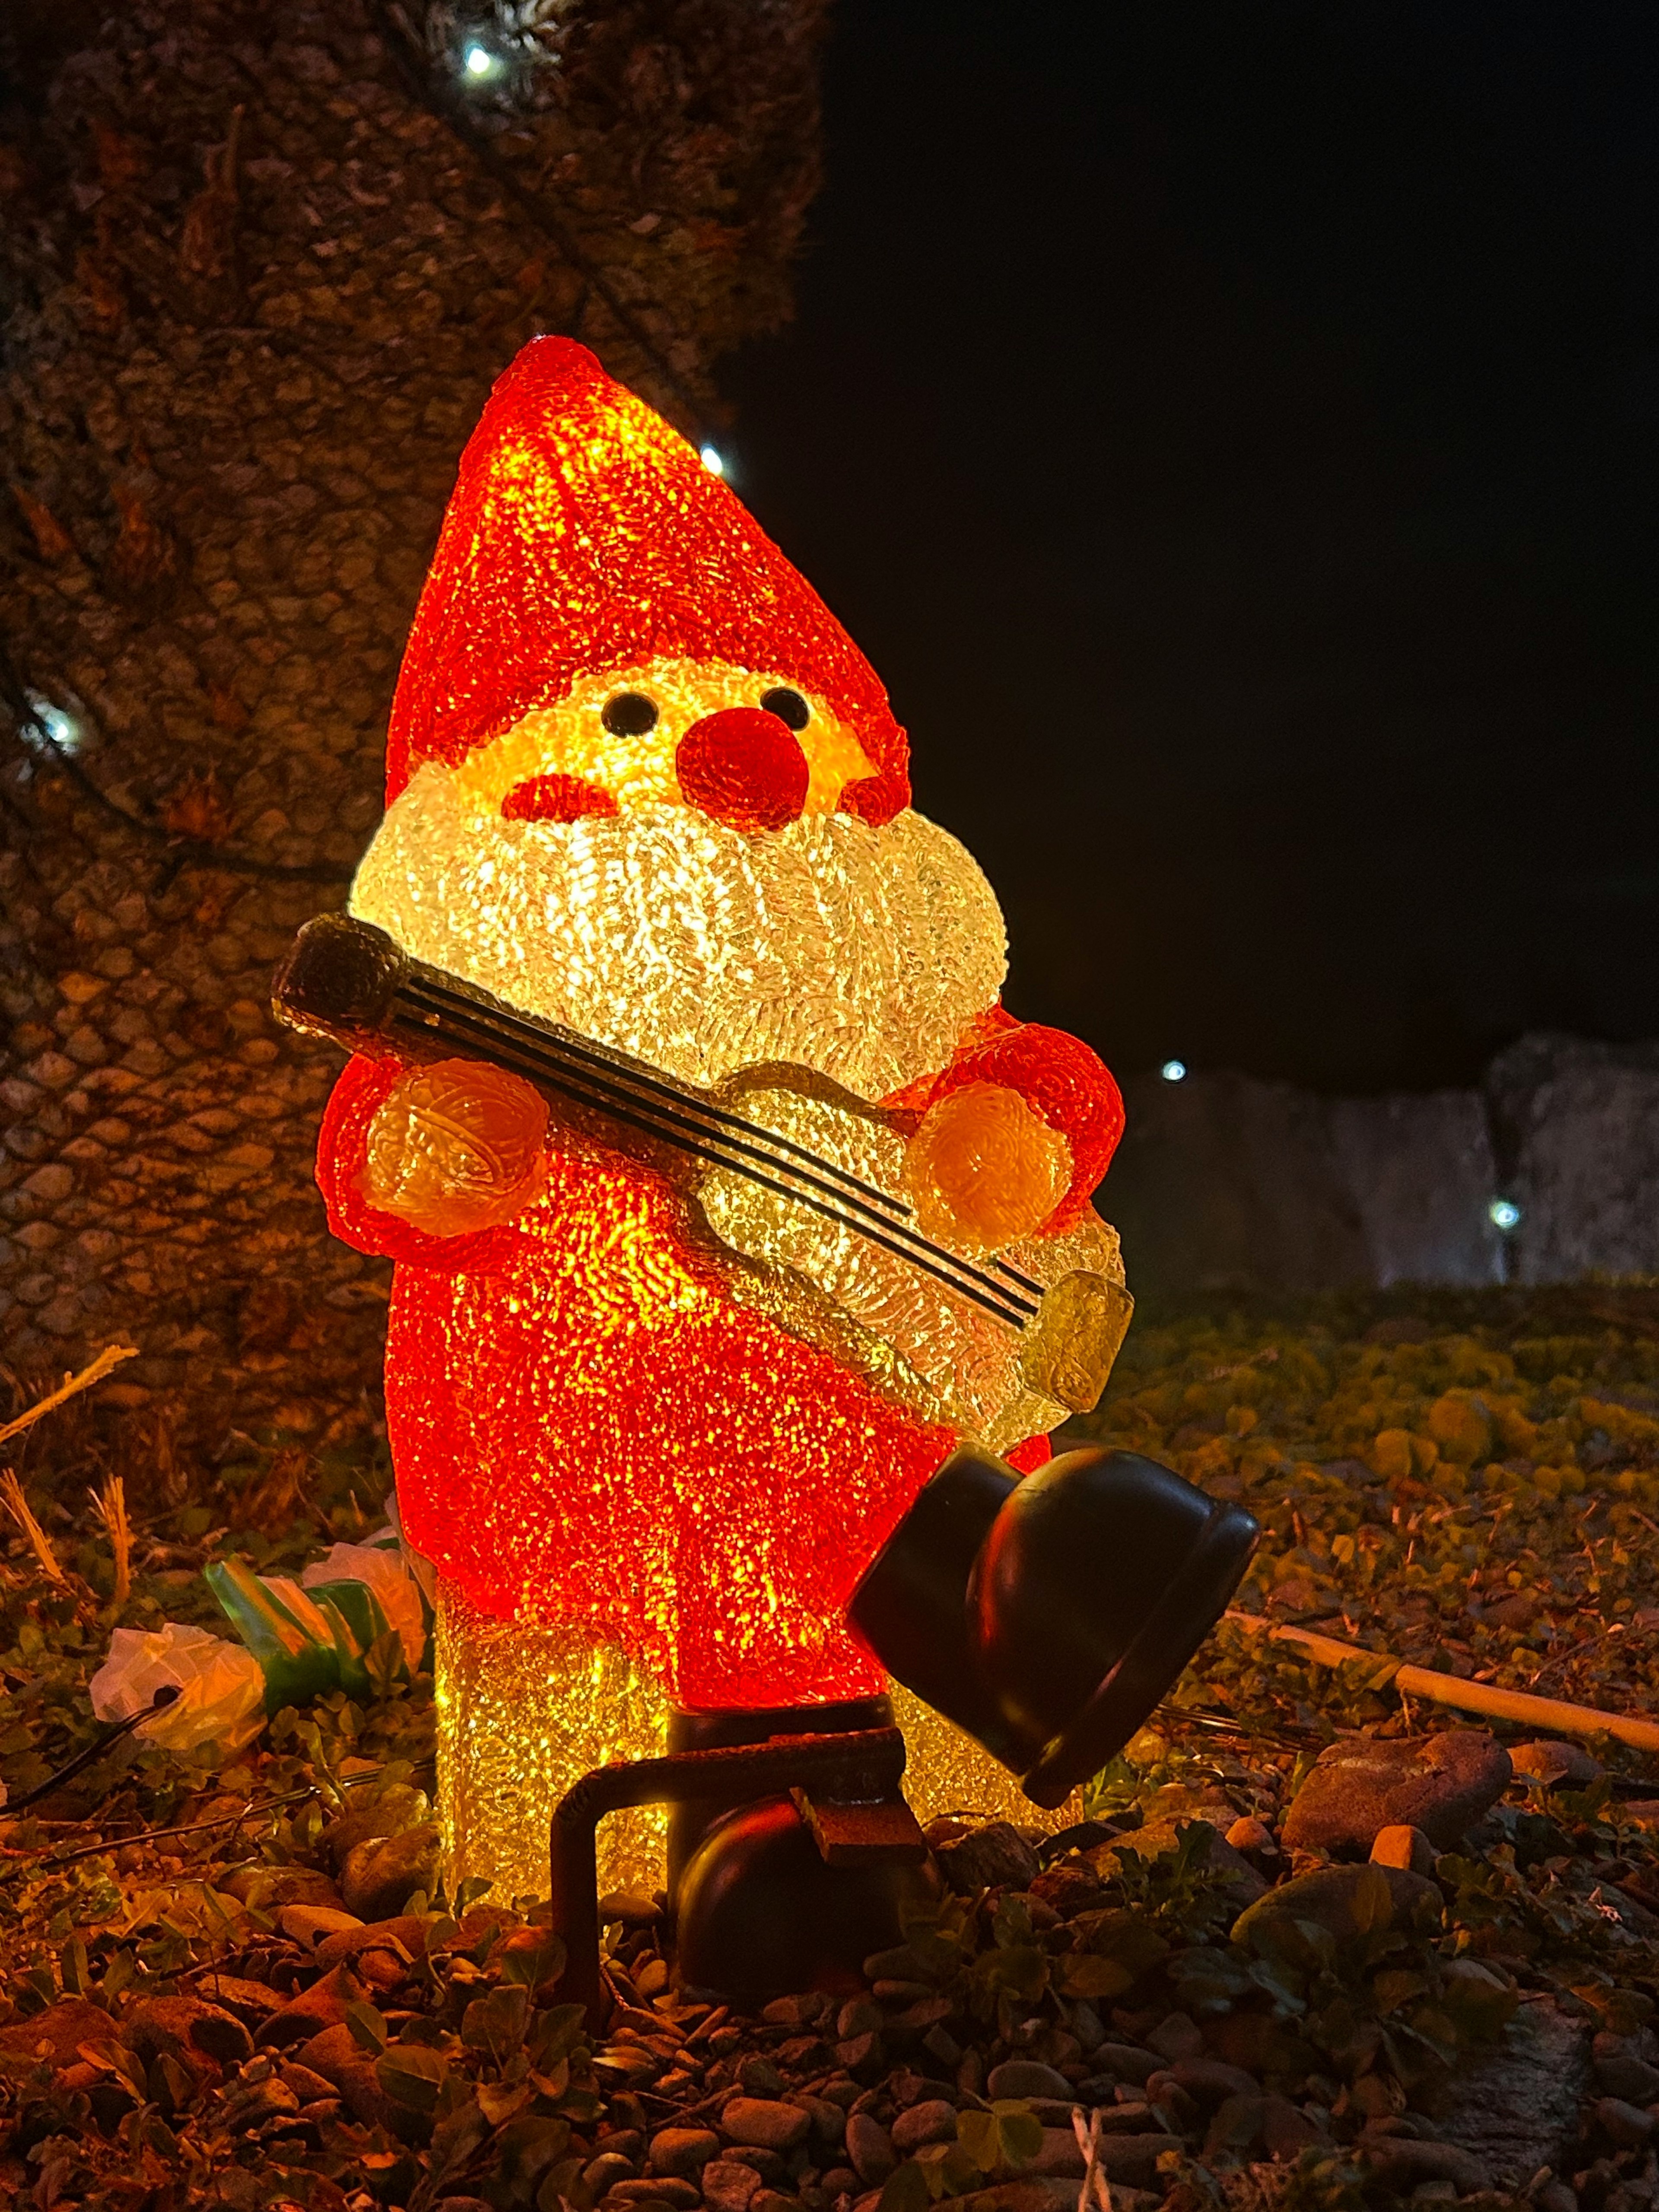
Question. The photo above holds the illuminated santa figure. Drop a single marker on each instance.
(661, 1388)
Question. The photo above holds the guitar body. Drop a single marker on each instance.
(793, 1184)
(940, 1352)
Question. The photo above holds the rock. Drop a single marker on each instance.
(765, 2122)
(933, 2121)
(1024, 2077)
(631, 1907)
(1176, 2036)
(203, 2036)
(857, 2016)
(1238, 2123)
(382, 1874)
(1515, 2106)
(323, 2005)
(310, 1924)
(1131, 2158)
(871, 2149)
(683, 2151)
(1209, 2080)
(1127, 2062)
(1555, 1763)
(1240, 1881)
(1441, 1783)
(727, 2186)
(307, 2086)
(251, 2002)
(993, 1858)
(1402, 2161)
(1326, 1896)
(1286, 2130)
(1249, 1835)
(1626, 2125)
(662, 2189)
(1583, 1118)
(57, 2033)
(863, 2056)
(1403, 1847)
(265, 1888)
(600, 2174)
(402, 1934)
(1622, 2074)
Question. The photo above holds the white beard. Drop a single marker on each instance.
(862, 953)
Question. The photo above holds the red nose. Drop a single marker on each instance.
(556, 799)
(743, 767)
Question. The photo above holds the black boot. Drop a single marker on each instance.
(782, 1893)
(1047, 1616)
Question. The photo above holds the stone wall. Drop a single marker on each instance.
(1226, 1182)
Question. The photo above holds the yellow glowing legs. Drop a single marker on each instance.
(524, 1713)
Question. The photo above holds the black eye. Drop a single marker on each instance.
(789, 707)
(630, 715)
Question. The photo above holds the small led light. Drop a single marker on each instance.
(711, 459)
(1504, 1214)
(60, 728)
(479, 63)
(1174, 1071)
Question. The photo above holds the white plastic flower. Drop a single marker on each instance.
(381, 1568)
(222, 1689)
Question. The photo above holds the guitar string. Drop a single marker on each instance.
(585, 1093)
(531, 1043)
(658, 1122)
(444, 989)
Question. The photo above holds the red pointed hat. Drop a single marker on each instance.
(584, 533)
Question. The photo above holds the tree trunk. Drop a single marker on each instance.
(265, 258)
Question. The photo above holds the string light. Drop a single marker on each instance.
(1174, 1071)
(480, 64)
(712, 459)
(1504, 1214)
(60, 727)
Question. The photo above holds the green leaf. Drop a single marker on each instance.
(1396, 1987)
(1370, 1903)
(497, 2023)
(905, 2190)
(981, 2137)
(74, 1965)
(1021, 2133)
(368, 2029)
(412, 2076)
(1086, 1974)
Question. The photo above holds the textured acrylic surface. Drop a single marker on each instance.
(524, 1713)
(605, 1423)
(862, 953)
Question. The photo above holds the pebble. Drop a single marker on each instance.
(1214, 2079)
(1328, 1896)
(659, 2188)
(1025, 2077)
(683, 2150)
(1402, 1845)
(1555, 1764)
(996, 1857)
(1247, 1835)
(933, 2121)
(727, 2186)
(310, 1924)
(1441, 1783)
(1177, 2036)
(1622, 2074)
(610, 2166)
(1127, 2061)
(382, 1874)
(764, 2121)
(1402, 2162)
(871, 2149)
(1627, 2126)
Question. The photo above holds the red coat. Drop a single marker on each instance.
(588, 1428)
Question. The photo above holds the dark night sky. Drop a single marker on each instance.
(1230, 430)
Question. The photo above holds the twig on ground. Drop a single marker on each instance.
(1467, 1697)
(11, 1496)
(110, 1504)
(72, 1385)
